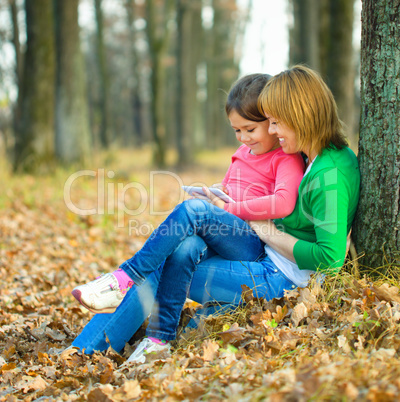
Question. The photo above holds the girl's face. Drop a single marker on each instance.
(254, 134)
(286, 135)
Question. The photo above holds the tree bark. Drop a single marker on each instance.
(72, 119)
(34, 148)
(376, 228)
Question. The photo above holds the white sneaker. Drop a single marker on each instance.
(102, 295)
(145, 348)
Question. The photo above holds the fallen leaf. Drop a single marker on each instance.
(350, 390)
(281, 313)
(247, 294)
(98, 395)
(210, 349)
(343, 343)
(258, 318)
(387, 292)
(129, 390)
(299, 312)
(28, 384)
(384, 354)
(233, 335)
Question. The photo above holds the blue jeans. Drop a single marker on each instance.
(200, 252)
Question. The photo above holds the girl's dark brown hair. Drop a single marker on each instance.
(243, 96)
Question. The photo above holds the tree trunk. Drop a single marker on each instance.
(376, 228)
(158, 38)
(222, 70)
(137, 106)
(72, 119)
(322, 38)
(18, 66)
(35, 136)
(304, 36)
(106, 132)
(340, 62)
(15, 41)
(187, 58)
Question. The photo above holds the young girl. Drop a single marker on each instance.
(263, 181)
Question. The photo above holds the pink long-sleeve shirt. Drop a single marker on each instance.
(263, 186)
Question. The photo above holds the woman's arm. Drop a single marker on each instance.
(324, 211)
(281, 242)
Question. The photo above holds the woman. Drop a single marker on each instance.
(312, 238)
(303, 114)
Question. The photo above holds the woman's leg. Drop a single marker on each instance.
(120, 326)
(220, 280)
(195, 271)
(231, 237)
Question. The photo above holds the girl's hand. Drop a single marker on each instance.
(221, 187)
(213, 198)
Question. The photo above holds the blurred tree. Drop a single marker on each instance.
(15, 40)
(34, 147)
(71, 123)
(340, 62)
(322, 38)
(158, 17)
(188, 56)
(137, 103)
(222, 69)
(106, 131)
(376, 229)
(18, 61)
(304, 34)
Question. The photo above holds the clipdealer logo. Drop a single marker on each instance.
(112, 196)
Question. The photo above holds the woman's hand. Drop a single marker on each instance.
(264, 229)
(281, 242)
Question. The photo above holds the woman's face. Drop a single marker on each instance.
(254, 134)
(286, 135)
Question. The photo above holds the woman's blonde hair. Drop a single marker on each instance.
(300, 99)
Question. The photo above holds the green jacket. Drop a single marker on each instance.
(324, 212)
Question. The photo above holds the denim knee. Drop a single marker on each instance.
(195, 206)
(192, 248)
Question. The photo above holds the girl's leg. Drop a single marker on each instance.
(120, 326)
(231, 237)
(174, 285)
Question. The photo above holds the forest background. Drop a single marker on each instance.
(100, 124)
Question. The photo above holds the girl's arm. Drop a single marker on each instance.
(289, 170)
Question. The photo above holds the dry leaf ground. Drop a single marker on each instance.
(336, 342)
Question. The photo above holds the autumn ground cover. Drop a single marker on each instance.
(338, 341)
